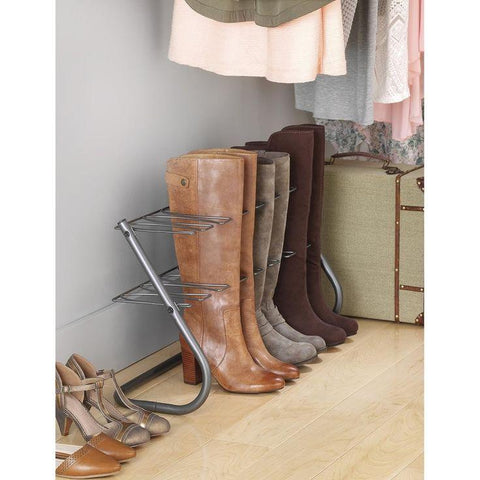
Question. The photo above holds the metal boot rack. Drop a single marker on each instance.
(167, 290)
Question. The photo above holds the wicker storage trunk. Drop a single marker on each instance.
(372, 237)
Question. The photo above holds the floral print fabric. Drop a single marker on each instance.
(347, 136)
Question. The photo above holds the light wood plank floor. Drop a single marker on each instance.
(356, 414)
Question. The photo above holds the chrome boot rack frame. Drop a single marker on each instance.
(168, 291)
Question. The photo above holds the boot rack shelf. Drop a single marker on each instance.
(167, 290)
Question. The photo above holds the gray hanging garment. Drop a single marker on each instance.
(347, 97)
(266, 13)
(348, 13)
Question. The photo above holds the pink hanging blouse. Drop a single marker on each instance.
(406, 116)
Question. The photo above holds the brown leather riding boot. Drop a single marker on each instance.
(291, 295)
(314, 264)
(212, 185)
(251, 332)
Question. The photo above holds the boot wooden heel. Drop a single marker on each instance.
(192, 375)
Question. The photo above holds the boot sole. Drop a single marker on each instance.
(306, 361)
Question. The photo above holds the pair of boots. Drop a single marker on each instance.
(222, 183)
(298, 294)
(273, 185)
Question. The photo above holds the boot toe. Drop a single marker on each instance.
(298, 353)
(268, 382)
(304, 352)
(335, 336)
(289, 372)
(277, 383)
(318, 342)
(350, 326)
(263, 382)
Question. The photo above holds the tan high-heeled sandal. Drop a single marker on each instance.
(155, 424)
(70, 392)
(73, 461)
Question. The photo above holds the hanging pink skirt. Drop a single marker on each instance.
(294, 52)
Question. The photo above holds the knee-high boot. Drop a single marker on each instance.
(315, 295)
(210, 185)
(278, 345)
(291, 295)
(269, 309)
(253, 338)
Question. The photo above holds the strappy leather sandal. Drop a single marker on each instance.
(70, 392)
(83, 462)
(155, 424)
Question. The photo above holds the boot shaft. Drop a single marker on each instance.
(248, 214)
(251, 334)
(211, 185)
(316, 204)
(265, 193)
(282, 187)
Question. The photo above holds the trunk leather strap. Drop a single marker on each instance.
(177, 180)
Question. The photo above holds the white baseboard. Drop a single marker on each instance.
(148, 362)
(118, 336)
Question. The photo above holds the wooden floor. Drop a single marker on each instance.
(356, 414)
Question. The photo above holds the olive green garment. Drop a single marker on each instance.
(266, 13)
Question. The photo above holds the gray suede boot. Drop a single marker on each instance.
(274, 317)
(283, 348)
(265, 194)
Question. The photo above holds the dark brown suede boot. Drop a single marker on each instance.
(291, 292)
(314, 251)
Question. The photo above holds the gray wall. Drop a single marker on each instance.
(122, 110)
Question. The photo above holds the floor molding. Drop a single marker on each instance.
(149, 366)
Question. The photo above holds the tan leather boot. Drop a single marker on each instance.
(212, 185)
(251, 332)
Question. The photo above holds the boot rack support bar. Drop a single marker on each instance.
(172, 309)
(337, 287)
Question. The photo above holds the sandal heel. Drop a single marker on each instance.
(192, 374)
(64, 422)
